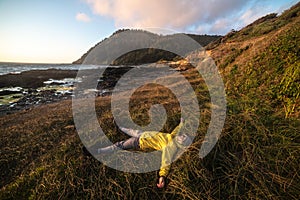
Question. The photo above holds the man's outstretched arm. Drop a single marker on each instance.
(166, 160)
(177, 129)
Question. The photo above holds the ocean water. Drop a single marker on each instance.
(10, 95)
(15, 68)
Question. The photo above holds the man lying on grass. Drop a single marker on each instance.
(168, 144)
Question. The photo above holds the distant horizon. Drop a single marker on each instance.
(34, 63)
(71, 63)
(56, 32)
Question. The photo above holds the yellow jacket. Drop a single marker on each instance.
(165, 142)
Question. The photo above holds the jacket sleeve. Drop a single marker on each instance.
(168, 154)
(177, 129)
(166, 159)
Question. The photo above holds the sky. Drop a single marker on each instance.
(60, 31)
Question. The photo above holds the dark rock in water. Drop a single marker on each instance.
(9, 92)
(111, 76)
(30, 91)
(15, 97)
(33, 98)
(56, 83)
(35, 78)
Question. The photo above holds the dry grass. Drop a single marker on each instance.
(255, 158)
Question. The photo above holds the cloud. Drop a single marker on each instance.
(217, 16)
(177, 14)
(220, 25)
(82, 17)
(250, 16)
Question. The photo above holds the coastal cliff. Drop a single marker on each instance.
(141, 56)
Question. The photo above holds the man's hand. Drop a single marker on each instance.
(181, 120)
(161, 182)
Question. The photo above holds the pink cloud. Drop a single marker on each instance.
(162, 13)
(218, 16)
(83, 17)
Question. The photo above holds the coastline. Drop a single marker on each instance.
(34, 78)
(29, 89)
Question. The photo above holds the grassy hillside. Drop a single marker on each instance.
(261, 62)
(257, 156)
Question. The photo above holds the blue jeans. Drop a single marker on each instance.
(131, 143)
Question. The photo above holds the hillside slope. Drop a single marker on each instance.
(140, 56)
(262, 62)
(257, 156)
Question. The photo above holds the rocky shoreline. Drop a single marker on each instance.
(37, 87)
(28, 89)
(33, 88)
(35, 78)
